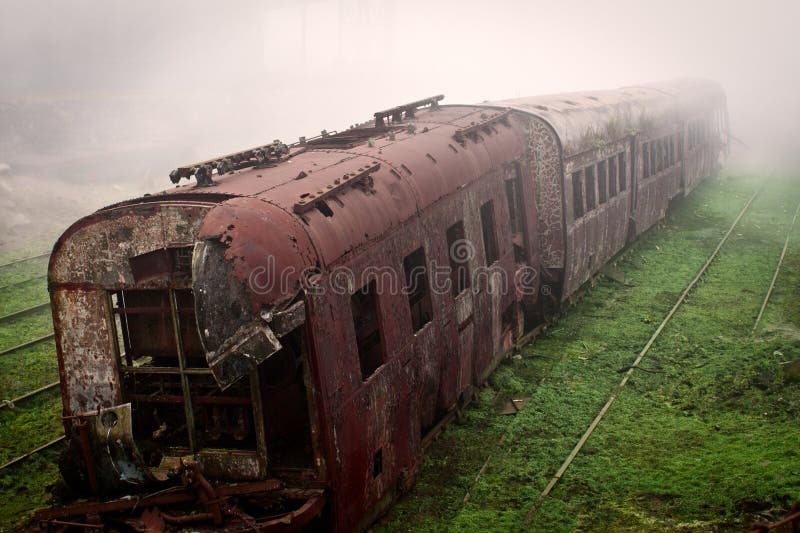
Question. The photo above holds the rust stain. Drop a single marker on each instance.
(213, 353)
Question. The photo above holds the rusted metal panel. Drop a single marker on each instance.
(115, 236)
(546, 170)
(280, 246)
(89, 378)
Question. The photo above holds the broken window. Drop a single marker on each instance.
(653, 155)
(458, 251)
(612, 177)
(514, 197)
(577, 194)
(515, 215)
(671, 150)
(176, 402)
(419, 297)
(489, 237)
(377, 463)
(172, 263)
(601, 182)
(364, 306)
(284, 400)
(591, 193)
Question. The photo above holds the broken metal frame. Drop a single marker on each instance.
(182, 370)
(405, 111)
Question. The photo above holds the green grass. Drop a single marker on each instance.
(37, 420)
(29, 270)
(19, 297)
(703, 441)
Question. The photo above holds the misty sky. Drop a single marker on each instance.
(248, 71)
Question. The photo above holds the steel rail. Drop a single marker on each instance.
(34, 451)
(10, 403)
(24, 259)
(777, 271)
(568, 461)
(15, 315)
(27, 344)
(23, 282)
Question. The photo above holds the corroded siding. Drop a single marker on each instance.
(546, 170)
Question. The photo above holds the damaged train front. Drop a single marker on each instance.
(188, 397)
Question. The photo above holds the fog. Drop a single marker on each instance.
(99, 100)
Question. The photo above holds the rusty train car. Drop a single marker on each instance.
(272, 346)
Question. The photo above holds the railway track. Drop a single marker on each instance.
(27, 344)
(681, 299)
(24, 260)
(18, 314)
(577, 360)
(32, 452)
(23, 282)
(10, 403)
(5, 320)
(777, 271)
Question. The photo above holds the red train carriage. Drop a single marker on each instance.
(274, 346)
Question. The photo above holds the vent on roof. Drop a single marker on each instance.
(323, 207)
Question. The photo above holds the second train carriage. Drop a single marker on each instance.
(277, 344)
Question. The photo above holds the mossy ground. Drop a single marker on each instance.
(37, 420)
(703, 439)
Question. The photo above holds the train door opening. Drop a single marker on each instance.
(285, 404)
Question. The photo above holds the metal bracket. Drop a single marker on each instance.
(474, 129)
(308, 200)
(396, 113)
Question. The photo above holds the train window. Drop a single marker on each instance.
(458, 250)
(364, 307)
(623, 172)
(671, 150)
(601, 182)
(514, 197)
(419, 297)
(612, 177)
(377, 463)
(577, 194)
(489, 237)
(653, 168)
(645, 160)
(591, 193)
(660, 155)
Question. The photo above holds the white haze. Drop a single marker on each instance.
(100, 99)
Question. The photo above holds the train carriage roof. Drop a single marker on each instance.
(582, 119)
(421, 162)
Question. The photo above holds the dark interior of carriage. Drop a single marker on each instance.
(177, 404)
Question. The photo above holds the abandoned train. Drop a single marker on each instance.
(274, 345)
